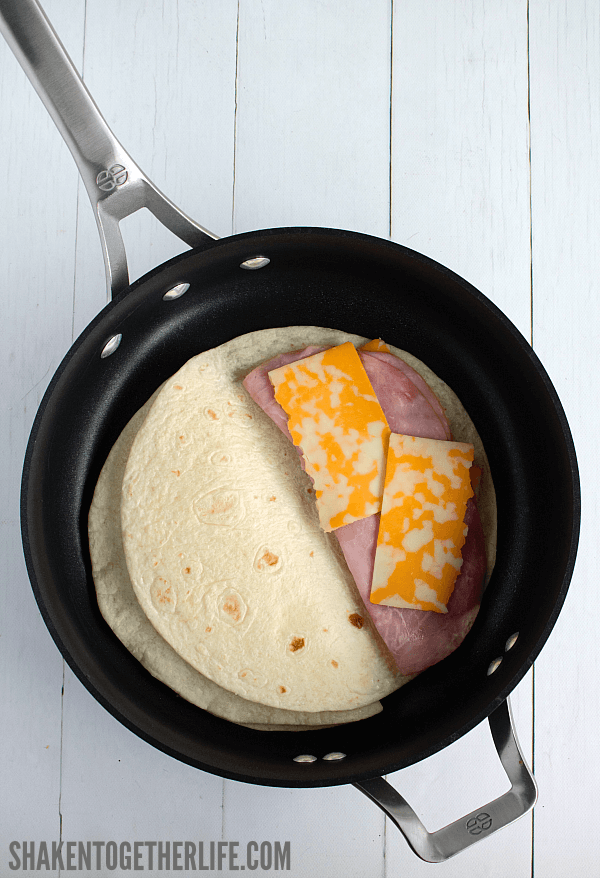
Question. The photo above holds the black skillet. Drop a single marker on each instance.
(313, 276)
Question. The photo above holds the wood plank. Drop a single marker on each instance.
(163, 73)
(37, 243)
(312, 148)
(565, 129)
(460, 146)
(117, 787)
(333, 831)
(312, 133)
(460, 195)
(165, 82)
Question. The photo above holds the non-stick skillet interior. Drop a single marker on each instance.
(358, 284)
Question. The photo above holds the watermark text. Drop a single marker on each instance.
(140, 856)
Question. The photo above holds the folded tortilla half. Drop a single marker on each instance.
(121, 610)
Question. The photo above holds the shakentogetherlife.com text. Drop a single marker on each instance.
(140, 856)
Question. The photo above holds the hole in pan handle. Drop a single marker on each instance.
(117, 187)
(435, 847)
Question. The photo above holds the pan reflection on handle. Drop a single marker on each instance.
(116, 185)
(435, 847)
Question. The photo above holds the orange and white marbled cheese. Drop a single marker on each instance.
(422, 530)
(376, 345)
(335, 417)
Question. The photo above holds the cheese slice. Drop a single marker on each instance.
(376, 345)
(335, 417)
(422, 529)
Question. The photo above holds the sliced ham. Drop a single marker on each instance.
(417, 639)
(415, 379)
(407, 410)
(261, 390)
(397, 387)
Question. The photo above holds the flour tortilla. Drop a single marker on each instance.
(239, 578)
(120, 609)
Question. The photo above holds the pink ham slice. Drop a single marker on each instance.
(416, 639)
(405, 407)
(414, 378)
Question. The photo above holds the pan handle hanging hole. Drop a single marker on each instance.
(334, 757)
(511, 641)
(305, 757)
(176, 292)
(255, 262)
(111, 345)
(494, 665)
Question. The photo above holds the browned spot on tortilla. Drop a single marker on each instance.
(282, 690)
(272, 498)
(232, 607)
(178, 387)
(248, 415)
(176, 472)
(212, 414)
(163, 596)
(188, 570)
(311, 554)
(356, 620)
(218, 507)
(296, 644)
(334, 663)
(309, 490)
(208, 629)
(269, 558)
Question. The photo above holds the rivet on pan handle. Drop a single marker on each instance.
(117, 187)
(435, 847)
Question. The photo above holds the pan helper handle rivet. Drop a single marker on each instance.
(305, 757)
(334, 757)
(176, 292)
(255, 262)
(511, 641)
(111, 345)
(494, 665)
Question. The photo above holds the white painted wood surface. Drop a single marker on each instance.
(470, 136)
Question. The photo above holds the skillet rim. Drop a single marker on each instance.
(335, 773)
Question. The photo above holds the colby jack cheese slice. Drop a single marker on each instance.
(376, 345)
(334, 415)
(422, 530)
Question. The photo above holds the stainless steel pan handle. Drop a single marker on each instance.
(117, 187)
(435, 847)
